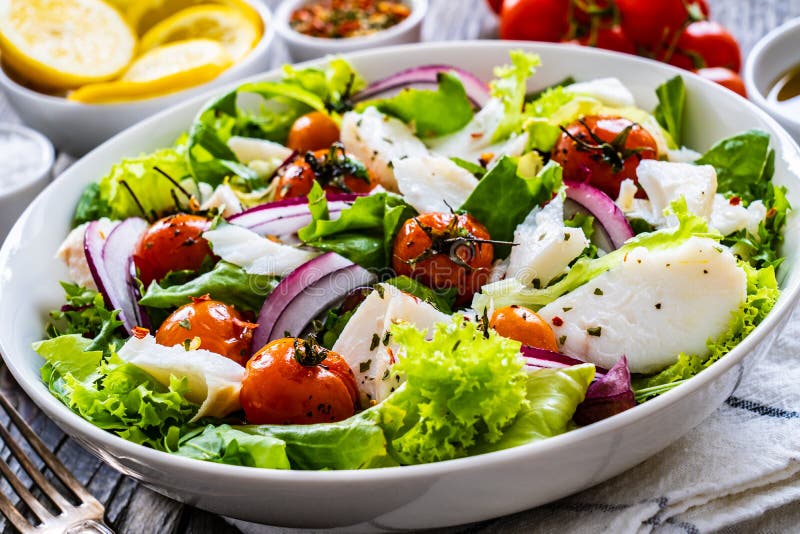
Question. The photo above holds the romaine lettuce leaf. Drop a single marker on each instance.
(431, 113)
(510, 87)
(553, 396)
(503, 198)
(670, 109)
(363, 233)
(226, 445)
(225, 282)
(134, 188)
(762, 293)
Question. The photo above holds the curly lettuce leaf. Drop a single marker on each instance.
(671, 105)
(85, 313)
(225, 282)
(134, 188)
(762, 293)
(510, 87)
(504, 197)
(553, 108)
(461, 386)
(112, 394)
(553, 396)
(431, 113)
(363, 233)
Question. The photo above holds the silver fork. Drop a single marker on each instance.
(84, 517)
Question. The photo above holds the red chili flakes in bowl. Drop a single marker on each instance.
(339, 19)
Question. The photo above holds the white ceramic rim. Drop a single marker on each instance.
(155, 459)
(46, 150)
(266, 39)
(418, 10)
(752, 61)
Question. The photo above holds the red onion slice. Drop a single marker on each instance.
(477, 90)
(287, 216)
(546, 359)
(110, 263)
(305, 293)
(610, 395)
(604, 210)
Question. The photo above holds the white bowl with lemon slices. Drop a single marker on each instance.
(110, 67)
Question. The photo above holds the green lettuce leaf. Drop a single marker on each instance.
(553, 396)
(443, 300)
(762, 293)
(227, 445)
(461, 386)
(554, 107)
(510, 291)
(363, 233)
(431, 113)
(112, 394)
(85, 313)
(510, 87)
(134, 188)
(671, 105)
(503, 198)
(744, 164)
(225, 282)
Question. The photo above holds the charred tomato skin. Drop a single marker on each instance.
(174, 243)
(278, 389)
(524, 325)
(424, 250)
(593, 166)
(296, 178)
(219, 327)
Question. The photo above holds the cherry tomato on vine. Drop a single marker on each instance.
(726, 78)
(653, 23)
(708, 44)
(219, 327)
(313, 131)
(534, 20)
(443, 251)
(611, 38)
(174, 243)
(295, 381)
(335, 170)
(603, 151)
(523, 325)
(495, 5)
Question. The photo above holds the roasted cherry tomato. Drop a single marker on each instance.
(534, 20)
(295, 381)
(708, 44)
(218, 326)
(612, 38)
(603, 151)
(654, 23)
(523, 325)
(333, 168)
(174, 243)
(726, 78)
(313, 131)
(443, 251)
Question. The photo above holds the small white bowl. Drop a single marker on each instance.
(772, 57)
(14, 199)
(304, 47)
(77, 128)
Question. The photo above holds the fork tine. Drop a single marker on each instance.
(36, 507)
(13, 515)
(49, 458)
(32, 471)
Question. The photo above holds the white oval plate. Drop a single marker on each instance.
(446, 493)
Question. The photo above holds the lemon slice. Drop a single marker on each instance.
(61, 44)
(225, 24)
(163, 70)
(144, 14)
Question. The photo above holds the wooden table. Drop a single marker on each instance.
(132, 508)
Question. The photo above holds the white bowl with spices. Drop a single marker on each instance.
(303, 47)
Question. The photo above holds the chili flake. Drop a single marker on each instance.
(341, 19)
